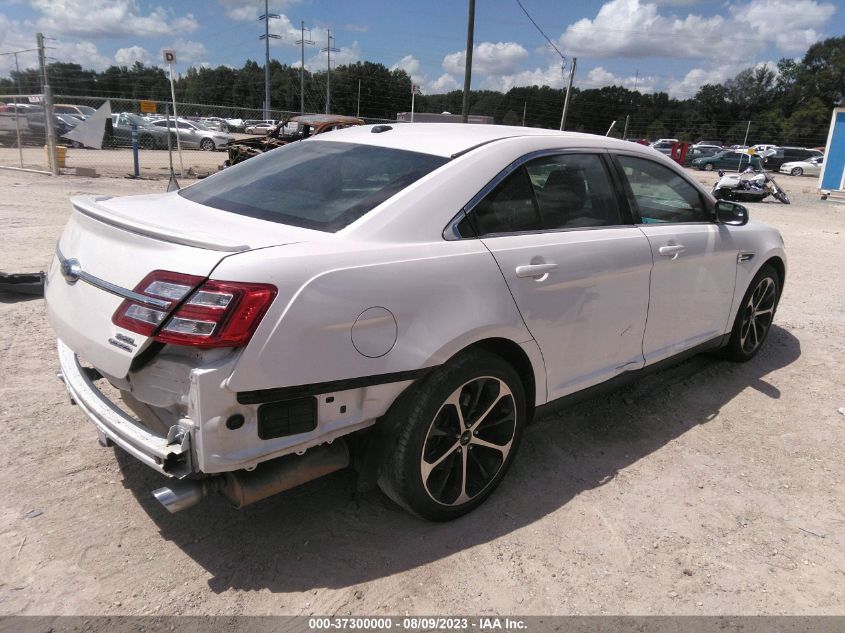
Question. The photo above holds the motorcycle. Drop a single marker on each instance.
(749, 186)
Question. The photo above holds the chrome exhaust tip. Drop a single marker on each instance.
(179, 495)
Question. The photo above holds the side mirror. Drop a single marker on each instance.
(731, 213)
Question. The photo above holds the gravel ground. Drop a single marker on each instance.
(709, 488)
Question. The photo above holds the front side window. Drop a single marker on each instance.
(661, 194)
(322, 185)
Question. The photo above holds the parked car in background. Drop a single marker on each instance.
(195, 135)
(76, 110)
(809, 167)
(727, 160)
(782, 155)
(400, 298)
(235, 124)
(294, 129)
(710, 142)
(664, 145)
(259, 127)
(149, 136)
(700, 151)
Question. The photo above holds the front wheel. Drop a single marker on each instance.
(796, 171)
(780, 195)
(708, 167)
(755, 316)
(455, 437)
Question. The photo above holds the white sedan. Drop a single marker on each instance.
(401, 297)
(809, 167)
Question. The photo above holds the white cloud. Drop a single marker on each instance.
(691, 83)
(346, 55)
(83, 53)
(108, 19)
(444, 83)
(413, 67)
(599, 77)
(488, 58)
(249, 10)
(551, 76)
(187, 51)
(357, 28)
(128, 56)
(636, 28)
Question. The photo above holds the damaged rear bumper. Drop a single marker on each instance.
(171, 456)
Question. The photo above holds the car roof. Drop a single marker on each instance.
(316, 119)
(449, 139)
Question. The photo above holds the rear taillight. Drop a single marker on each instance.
(189, 311)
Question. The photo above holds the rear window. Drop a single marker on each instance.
(320, 185)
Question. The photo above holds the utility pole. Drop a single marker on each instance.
(524, 110)
(329, 49)
(358, 109)
(568, 92)
(302, 42)
(48, 106)
(468, 64)
(266, 37)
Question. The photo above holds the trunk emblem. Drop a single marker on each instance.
(70, 269)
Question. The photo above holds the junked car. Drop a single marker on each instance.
(401, 297)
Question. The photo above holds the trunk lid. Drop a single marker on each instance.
(117, 242)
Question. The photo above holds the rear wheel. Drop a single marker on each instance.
(455, 437)
(754, 319)
(708, 166)
(797, 171)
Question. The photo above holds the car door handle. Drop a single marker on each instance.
(535, 270)
(671, 250)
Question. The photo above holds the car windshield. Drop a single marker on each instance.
(199, 125)
(322, 185)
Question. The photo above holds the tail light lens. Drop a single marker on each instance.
(198, 313)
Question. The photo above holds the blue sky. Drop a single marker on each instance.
(668, 45)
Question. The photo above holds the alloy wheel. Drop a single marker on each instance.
(468, 441)
(758, 315)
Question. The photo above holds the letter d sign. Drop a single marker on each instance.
(169, 56)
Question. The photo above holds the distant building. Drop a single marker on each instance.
(445, 117)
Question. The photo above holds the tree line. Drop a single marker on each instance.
(789, 106)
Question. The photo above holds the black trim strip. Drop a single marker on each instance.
(302, 391)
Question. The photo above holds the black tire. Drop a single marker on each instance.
(780, 195)
(145, 141)
(207, 145)
(796, 171)
(760, 300)
(708, 166)
(460, 458)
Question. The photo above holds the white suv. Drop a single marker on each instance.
(405, 295)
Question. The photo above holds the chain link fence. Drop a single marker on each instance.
(197, 149)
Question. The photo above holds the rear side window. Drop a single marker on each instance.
(562, 191)
(661, 194)
(320, 185)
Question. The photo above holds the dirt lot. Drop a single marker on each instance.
(710, 488)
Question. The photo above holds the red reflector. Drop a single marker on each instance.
(210, 314)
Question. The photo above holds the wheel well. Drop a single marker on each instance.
(518, 359)
(780, 269)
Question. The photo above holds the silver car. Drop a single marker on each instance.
(193, 134)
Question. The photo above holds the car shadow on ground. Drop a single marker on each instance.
(323, 534)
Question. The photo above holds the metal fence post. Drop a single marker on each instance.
(48, 108)
(134, 137)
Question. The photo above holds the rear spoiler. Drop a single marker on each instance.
(90, 206)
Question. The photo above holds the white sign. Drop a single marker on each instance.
(169, 56)
(34, 98)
